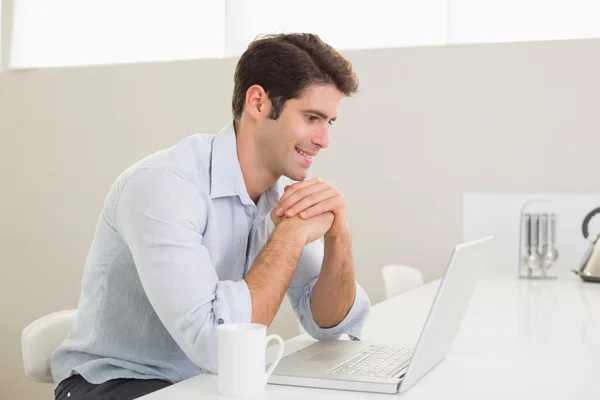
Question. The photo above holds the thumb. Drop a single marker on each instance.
(275, 218)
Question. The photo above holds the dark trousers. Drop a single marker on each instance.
(77, 388)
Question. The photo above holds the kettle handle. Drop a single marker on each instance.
(586, 222)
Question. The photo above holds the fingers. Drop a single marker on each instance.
(290, 189)
(310, 200)
(294, 194)
(329, 205)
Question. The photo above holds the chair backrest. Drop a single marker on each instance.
(39, 340)
(400, 278)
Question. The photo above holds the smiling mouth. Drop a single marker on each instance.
(304, 154)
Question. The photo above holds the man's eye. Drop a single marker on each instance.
(311, 118)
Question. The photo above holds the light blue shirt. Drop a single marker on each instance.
(176, 235)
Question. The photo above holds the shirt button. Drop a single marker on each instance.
(220, 321)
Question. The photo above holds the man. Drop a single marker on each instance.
(215, 230)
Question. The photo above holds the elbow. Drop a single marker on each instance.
(351, 324)
(197, 337)
(197, 330)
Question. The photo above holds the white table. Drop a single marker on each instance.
(519, 339)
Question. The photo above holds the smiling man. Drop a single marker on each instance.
(218, 229)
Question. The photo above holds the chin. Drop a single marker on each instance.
(297, 176)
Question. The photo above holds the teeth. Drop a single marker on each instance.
(303, 153)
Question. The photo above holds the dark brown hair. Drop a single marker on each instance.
(286, 64)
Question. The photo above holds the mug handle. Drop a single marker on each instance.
(279, 355)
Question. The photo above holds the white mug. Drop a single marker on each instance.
(242, 359)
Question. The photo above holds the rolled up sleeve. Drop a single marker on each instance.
(300, 293)
(161, 217)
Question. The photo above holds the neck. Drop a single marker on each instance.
(257, 175)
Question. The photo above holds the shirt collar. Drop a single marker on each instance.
(226, 177)
(226, 173)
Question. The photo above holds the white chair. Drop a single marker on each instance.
(39, 339)
(400, 278)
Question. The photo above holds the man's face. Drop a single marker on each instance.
(289, 144)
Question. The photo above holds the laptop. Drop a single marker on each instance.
(370, 367)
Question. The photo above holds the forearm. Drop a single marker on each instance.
(270, 275)
(335, 290)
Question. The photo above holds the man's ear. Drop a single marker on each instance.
(257, 102)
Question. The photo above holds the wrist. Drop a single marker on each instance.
(284, 233)
(341, 238)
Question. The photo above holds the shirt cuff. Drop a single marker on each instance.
(351, 325)
(233, 303)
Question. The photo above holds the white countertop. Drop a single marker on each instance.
(519, 339)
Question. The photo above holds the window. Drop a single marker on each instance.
(343, 24)
(74, 32)
(486, 21)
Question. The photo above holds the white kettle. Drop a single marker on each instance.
(589, 269)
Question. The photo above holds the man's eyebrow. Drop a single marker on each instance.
(320, 114)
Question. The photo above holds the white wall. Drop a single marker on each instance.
(427, 125)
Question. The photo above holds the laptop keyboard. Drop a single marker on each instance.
(378, 361)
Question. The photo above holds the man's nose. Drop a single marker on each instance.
(322, 139)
